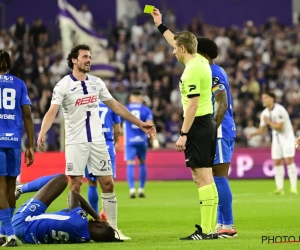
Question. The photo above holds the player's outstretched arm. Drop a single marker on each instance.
(28, 123)
(76, 200)
(157, 18)
(122, 111)
(260, 131)
(46, 124)
(222, 106)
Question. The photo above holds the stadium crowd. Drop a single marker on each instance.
(255, 58)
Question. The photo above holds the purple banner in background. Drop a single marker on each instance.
(216, 12)
(224, 13)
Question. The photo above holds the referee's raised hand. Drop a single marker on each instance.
(157, 17)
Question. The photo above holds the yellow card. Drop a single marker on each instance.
(148, 9)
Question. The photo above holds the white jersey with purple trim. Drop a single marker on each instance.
(279, 114)
(79, 101)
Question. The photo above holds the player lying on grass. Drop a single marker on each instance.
(32, 225)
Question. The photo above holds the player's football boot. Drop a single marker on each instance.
(278, 192)
(293, 191)
(121, 236)
(2, 241)
(199, 235)
(103, 215)
(18, 191)
(227, 233)
(132, 196)
(142, 195)
(11, 243)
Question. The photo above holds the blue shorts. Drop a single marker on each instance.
(135, 150)
(112, 153)
(10, 161)
(224, 150)
(32, 207)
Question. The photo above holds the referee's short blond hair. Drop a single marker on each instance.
(188, 40)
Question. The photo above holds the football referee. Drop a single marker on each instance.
(198, 134)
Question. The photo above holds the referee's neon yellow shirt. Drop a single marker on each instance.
(196, 80)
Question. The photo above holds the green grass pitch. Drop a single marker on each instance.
(171, 210)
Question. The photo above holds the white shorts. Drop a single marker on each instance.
(93, 155)
(283, 149)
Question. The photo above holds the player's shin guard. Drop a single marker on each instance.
(225, 200)
(110, 207)
(206, 197)
(215, 209)
(293, 175)
(37, 184)
(5, 218)
(279, 177)
(93, 197)
(143, 175)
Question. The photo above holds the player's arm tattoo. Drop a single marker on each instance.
(76, 200)
(221, 106)
(28, 123)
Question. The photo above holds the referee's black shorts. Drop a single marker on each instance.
(201, 143)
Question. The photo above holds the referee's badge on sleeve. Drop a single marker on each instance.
(216, 80)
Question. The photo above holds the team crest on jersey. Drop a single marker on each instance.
(94, 87)
(69, 166)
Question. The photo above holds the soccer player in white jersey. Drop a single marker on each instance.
(78, 95)
(276, 116)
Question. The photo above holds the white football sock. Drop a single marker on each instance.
(132, 191)
(279, 177)
(141, 190)
(218, 226)
(110, 207)
(293, 175)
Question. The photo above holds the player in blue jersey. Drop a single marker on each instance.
(136, 142)
(14, 109)
(226, 134)
(111, 128)
(32, 225)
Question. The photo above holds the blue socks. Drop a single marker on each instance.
(5, 218)
(225, 216)
(37, 184)
(11, 210)
(93, 197)
(143, 175)
(130, 175)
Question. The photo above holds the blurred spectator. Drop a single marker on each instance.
(86, 15)
(36, 30)
(19, 29)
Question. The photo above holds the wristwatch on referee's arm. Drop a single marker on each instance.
(182, 133)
